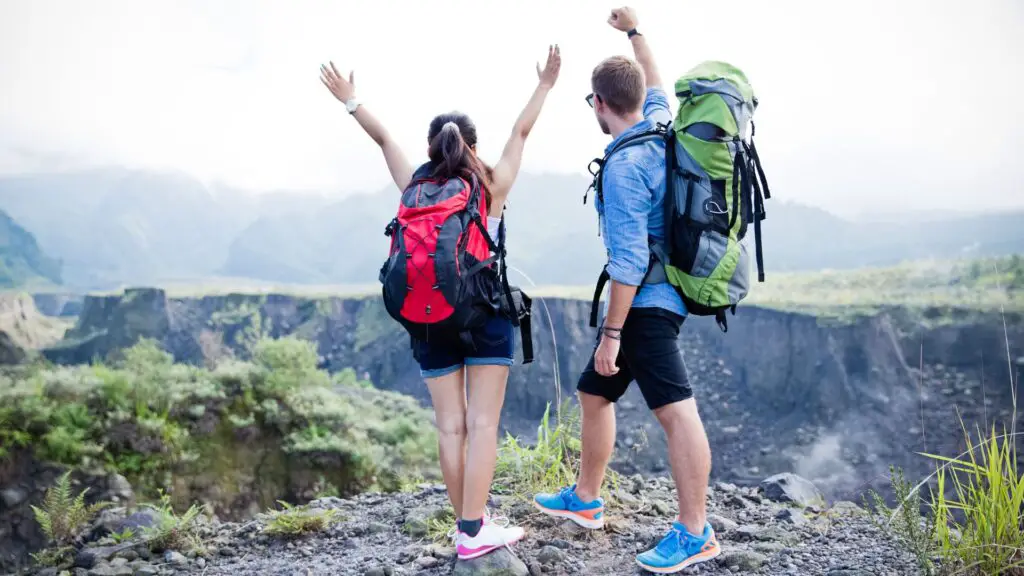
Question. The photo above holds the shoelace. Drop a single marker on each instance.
(503, 522)
(675, 537)
(567, 495)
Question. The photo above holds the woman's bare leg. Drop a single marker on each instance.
(448, 395)
(486, 396)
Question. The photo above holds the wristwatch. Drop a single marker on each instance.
(632, 33)
(351, 105)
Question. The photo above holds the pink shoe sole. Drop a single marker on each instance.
(471, 553)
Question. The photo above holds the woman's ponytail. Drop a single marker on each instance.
(449, 152)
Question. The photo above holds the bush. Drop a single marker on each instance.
(291, 363)
(150, 419)
(915, 533)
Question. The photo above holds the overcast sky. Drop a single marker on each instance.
(865, 105)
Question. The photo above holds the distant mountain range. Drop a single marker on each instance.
(22, 263)
(116, 226)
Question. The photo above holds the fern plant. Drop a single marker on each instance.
(173, 531)
(64, 516)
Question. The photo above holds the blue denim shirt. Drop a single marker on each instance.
(633, 208)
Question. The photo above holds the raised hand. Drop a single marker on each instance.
(344, 90)
(549, 75)
(623, 19)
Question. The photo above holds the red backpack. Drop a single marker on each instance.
(439, 280)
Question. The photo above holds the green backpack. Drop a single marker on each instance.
(714, 188)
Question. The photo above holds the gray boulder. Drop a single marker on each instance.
(790, 488)
(501, 562)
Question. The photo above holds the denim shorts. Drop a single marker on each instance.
(493, 344)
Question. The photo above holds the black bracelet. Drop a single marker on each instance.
(613, 333)
(632, 33)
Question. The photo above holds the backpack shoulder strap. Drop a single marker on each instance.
(657, 133)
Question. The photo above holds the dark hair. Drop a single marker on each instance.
(452, 137)
(620, 83)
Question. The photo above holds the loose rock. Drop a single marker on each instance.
(744, 560)
(497, 563)
(788, 487)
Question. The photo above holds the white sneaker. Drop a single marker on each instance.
(492, 536)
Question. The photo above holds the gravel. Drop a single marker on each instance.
(374, 540)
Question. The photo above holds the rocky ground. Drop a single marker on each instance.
(778, 528)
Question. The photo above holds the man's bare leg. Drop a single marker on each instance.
(690, 457)
(598, 443)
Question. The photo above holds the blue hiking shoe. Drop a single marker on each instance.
(566, 504)
(679, 549)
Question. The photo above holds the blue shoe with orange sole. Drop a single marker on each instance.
(566, 504)
(679, 550)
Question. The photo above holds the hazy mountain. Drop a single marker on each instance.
(553, 237)
(21, 260)
(112, 226)
(118, 226)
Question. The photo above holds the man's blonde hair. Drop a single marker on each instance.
(620, 83)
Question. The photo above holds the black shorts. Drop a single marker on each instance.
(650, 355)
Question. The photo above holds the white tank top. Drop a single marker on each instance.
(492, 228)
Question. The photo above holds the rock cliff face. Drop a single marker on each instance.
(23, 328)
(837, 402)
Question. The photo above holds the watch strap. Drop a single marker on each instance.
(632, 33)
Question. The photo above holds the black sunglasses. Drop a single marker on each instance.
(591, 97)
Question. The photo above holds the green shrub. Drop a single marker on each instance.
(149, 419)
(914, 532)
(11, 434)
(291, 363)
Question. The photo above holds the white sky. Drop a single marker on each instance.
(865, 105)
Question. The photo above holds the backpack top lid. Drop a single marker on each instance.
(717, 93)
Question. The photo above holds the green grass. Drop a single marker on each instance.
(292, 521)
(986, 285)
(551, 463)
(980, 528)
